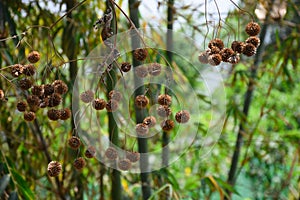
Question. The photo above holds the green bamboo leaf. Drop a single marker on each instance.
(22, 186)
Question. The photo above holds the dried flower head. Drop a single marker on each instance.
(141, 71)
(141, 101)
(54, 168)
(29, 70)
(163, 111)
(216, 43)
(44, 102)
(253, 40)
(53, 114)
(90, 152)
(226, 53)
(60, 87)
(33, 57)
(214, 50)
(111, 153)
(17, 70)
(33, 100)
(154, 69)
(167, 125)
(149, 121)
(235, 59)
(48, 89)
(37, 90)
(74, 142)
(214, 59)
(115, 95)
(29, 116)
(112, 105)
(164, 99)
(182, 116)
(203, 57)
(125, 67)
(54, 100)
(249, 50)
(99, 104)
(21, 106)
(252, 28)
(133, 156)
(25, 84)
(238, 46)
(65, 114)
(140, 54)
(87, 96)
(124, 164)
(79, 163)
(141, 129)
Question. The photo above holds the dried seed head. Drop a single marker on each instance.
(112, 105)
(74, 142)
(29, 116)
(167, 125)
(37, 90)
(226, 53)
(154, 69)
(124, 164)
(249, 50)
(214, 59)
(133, 156)
(48, 89)
(99, 104)
(54, 100)
(53, 114)
(149, 121)
(252, 29)
(65, 114)
(21, 106)
(33, 100)
(54, 168)
(17, 70)
(216, 43)
(90, 152)
(140, 54)
(164, 99)
(115, 95)
(25, 84)
(29, 70)
(141, 101)
(141, 129)
(1, 94)
(235, 59)
(44, 102)
(60, 87)
(238, 46)
(253, 40)
(214, 50)
(79, 163)
(182, 116)
(141, 71)
(125, 67)
(203, 57)
(87, 96)
(163, 111)
(111, 153)
(33, 57)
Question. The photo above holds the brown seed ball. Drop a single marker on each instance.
(163, 111)
(54, 100)
(115, 95)
(2, 95)
(25, 84)
(44, 102)
(133, 156)
(214, 59)
(33, 100)
(112, 105)
(54, 168)
(253, 40)
(111, 153)
(235, 59)
(87, 96)
(99, 104)
(203, 57)
(164, 99)
(60, 87)
(33, 57)
(21, 106)
(74, 142)
(90, 152)
(141, 101)
(37, 90)
(141, 129)
(124, 164)
(216, 43)
(214, 50)
(149, 121)
(182, 116)
(53, 114)
(237, 46)
(154, 69)
(29, 70)
(79, 163)
(29, 116)
(226, 53)
(249, 50)
(125, 67)
(140, 54)
(141, 71)
(167, 125)
(17, 70)
(65, 114)
(252, 28)
(48, 89)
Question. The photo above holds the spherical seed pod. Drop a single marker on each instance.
(79, 163)
(90, 152)
(65, 114)
(141, 101)
(216, 43)
(235, 59)
(60, 87)
(163, 111)
(29, 70)
(214, 50)
(17, 70)
(74, 142)
(48, 89)
(140, 54)
(115, 95)
(203, 57)
(99, 104)
(125, 67)
(214, 59)
(54, 168)
(33, 100)
(124, 164)
(54, 100)
(112, 105)
(182, 116)
(149, 121)
(87, 96)
(154, 69)
(53, 114)
(249, 50)
(33, 57)
(238, 46)
(141, 71)
(141, 129)
(133, 156)
(44, 102)
(167, 125)
(21, 106)
(252, 28)
(25, 84)
(164, 99)
(253, 40)
(2, 95)
(37, 90)
(226, 53)
(29, 116)
(111, 153)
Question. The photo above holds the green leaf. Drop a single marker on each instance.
(22, 185)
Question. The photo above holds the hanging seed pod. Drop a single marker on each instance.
(25, 84)
(90, 152)
(133, 156)
(87, 96)
(237, 46)
(253, 40)
(29, 116)
(65, 114)
(33, 57)
(141, 129)
(60, 87)
(216, 43)
(111, 153)
(214, 50)
(115, 95)
(124, 164)
(163, 111)
(54, 168)
(154, 69)
(125, 67)
(74, 142)
(141, 101)
(140, 54)
(214, 59)
(99, 104)
(226, 53)
(37, 90)
(33, 100)
(53, 114)
(182, 116)
(235, 59)
(167, 125)
(54, 100)
(17, 70)
(141, 71)
(21, 106)
(149, 121)
(164, 99)
(112, 105)
(203, 57)
(44, 102)
(249, 50)
(29, 70)
(79, 163)
(48, 89)
(252, 28)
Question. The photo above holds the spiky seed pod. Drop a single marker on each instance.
(79, 163)
(133, 156)
(214, 59)
(238, 46)
(60, 87)
(141, 129)
(54, 100)
(124, 164)
(182, 116)
(74, 142)
(29, 116)
(17, 70)
(33, 57)
(54, 168)
(53, 114)
(87, 96)
(65, 114)
(163, 111)
(235, 59)
(203, 57)
(1, 94)
(253, 40)
(111, 153)
(141, 101)
(115, 95)
(149, 121)
(140, 54)
(44, 102)
(48, 89)
(216, 43)
(29, 70)
(141, 71)
(164, 99)
(125, 67)
(33, 100)
(226, 53)
(90, 152)
(25, 84)
(249, 50)
(167, 125)
(154, 69)
(214, 50)
(99, 104)
(37, 90)
(252, 28)
(21, 106)
(112, 105)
